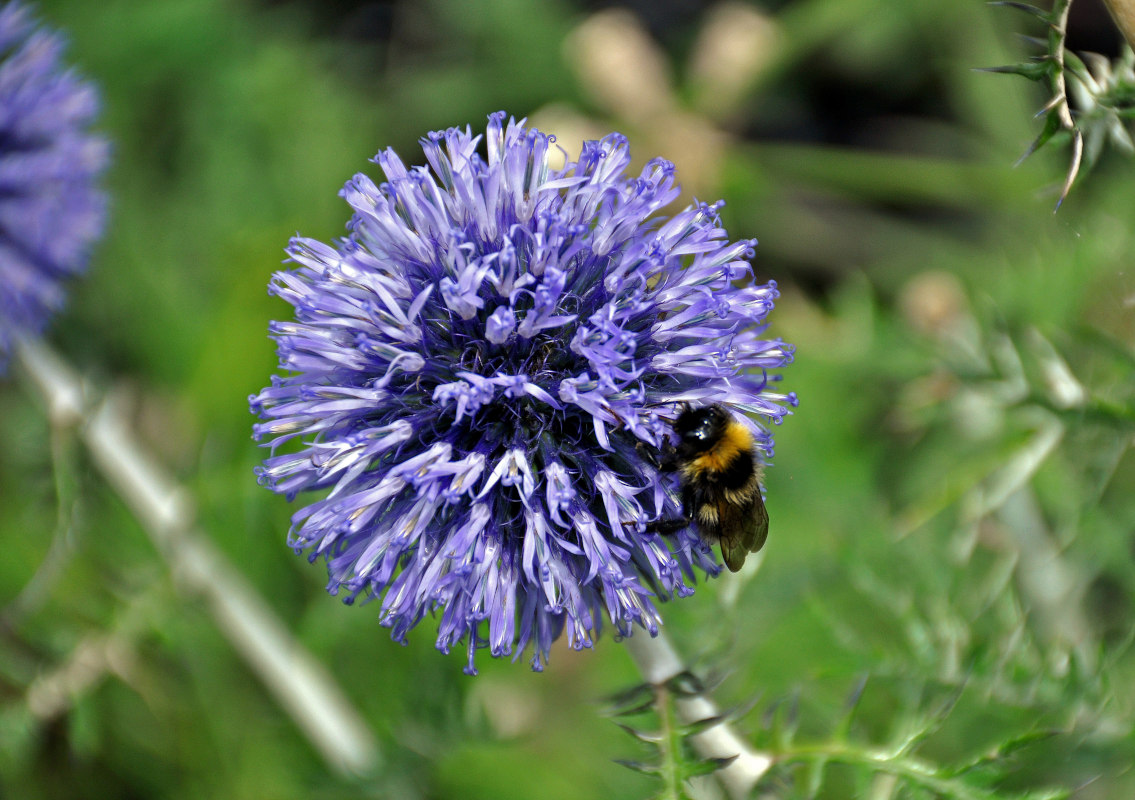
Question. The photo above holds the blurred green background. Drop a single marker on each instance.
(952, 508)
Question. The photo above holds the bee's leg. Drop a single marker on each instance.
(663, 460)
(648, 454)
(667, 527)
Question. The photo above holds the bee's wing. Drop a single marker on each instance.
(744, 530)
(760, 524)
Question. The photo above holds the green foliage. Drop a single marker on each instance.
(1091, 97)
(676, 761)
(944, 607)
(843, 762)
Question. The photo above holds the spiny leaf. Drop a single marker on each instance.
(633, 711)
(852, 702)
(686, 684)
(1003, 751)
(1041, 794)
(633, 695)
(705, 766)
(702, 725)
(636, 700)
(815, 780)
(737, 712)
(1051, 105)
(713, 680)
(1033, 70)
(639, 766)
(782, 717)
(1028, 9)
(675, 762)
(1075, 66)
(1074, 167)
(1051, 126)
(648, 737)
(1101, 341)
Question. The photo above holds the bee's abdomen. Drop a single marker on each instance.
(736, 473)
(707, 518)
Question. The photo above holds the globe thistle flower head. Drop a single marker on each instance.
(51, 207)
(478, 372)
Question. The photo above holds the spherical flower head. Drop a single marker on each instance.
(480, 372)
(51, 208)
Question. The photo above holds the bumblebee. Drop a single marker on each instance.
(720, 478)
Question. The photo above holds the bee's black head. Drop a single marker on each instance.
(700, 429)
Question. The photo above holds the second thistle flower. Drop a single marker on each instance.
(52, 208)
(473, 370)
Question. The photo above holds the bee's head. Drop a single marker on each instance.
(699, 429)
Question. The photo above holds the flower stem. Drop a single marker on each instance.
(294, 676)
(63, 539)
(670, 744)
(1057, 39)
(658, 662)
(904, 767)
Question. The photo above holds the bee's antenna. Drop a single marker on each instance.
(682, 404)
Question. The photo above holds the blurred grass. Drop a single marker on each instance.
(235, 124)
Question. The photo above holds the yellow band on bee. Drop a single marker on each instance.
(735, 441)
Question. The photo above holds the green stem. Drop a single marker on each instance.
(1057, 39)
(64, 474)
(1056, 43)
(670, 744)
(658, 662)
(910, 769)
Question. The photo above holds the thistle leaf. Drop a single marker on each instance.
(1033, 70)
(1003, 751)
(705, 766)
(647, 737)
(686, 684)
(633, 701)
(702, 725)
(843, 727)
(1028, 9)
(1073, 168)
(639, 766)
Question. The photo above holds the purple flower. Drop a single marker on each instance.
(51, 208)
(474, 371)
